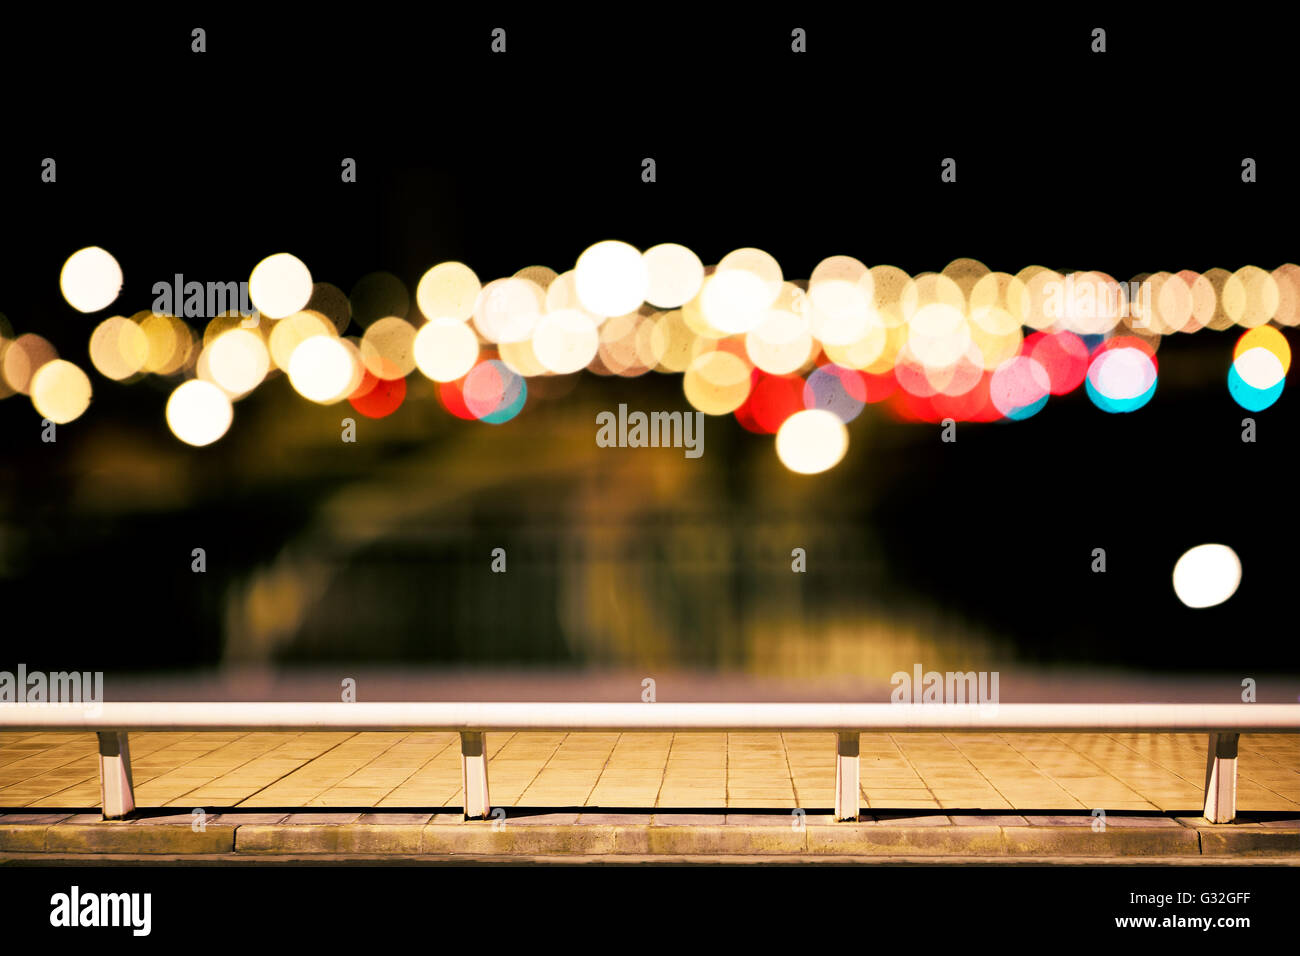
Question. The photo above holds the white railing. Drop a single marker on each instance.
(114, 721)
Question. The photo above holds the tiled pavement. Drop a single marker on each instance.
(390, 771)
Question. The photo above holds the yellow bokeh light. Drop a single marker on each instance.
(862, 353)
(672, 341)
(60, 391)
(840, 310)
(520, 358)
(388, 348)
(736, 300)
(290, 332)
(1204, 299)
(445, 349)
(1265, 337)
(938, 335)
(24, 356)
(780, 344)
(759, 264)
(325, 369)
(541, 276)
(1287, 277)
(507, 310)
(238, 361)
(996, 334)
(219, 325)
(1219, 318)
(812, 441)
(717, 382)
(674, 275)
(198, 412)
(930, 288)
(693, 313)
(171, 342)
(448, 291)
(888, 286)
(118, 348)
(566, 341)
(1250, 296)
(966, 273)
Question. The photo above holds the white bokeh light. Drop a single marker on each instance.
(198, 412)
(324, 370)
(1207, 575)
(445, 349)
(91, 279)
(611, 278)
(280, 285)
(812, 441)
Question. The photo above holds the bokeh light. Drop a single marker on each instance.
(841, 391)
(1259, 365)
(280, 285)
(1121, 379)
(1019, 387)
(965, 343)
(566, 341)
(1207, 575)
(448, 291)
(493, 393)
(388, 348)
(717, 382)
(60, 391)
(378, 397)
(198, 412)
(611, 278)
(674, 275)
(445, 349)
(91, 279)
(23, 357)
(118, 348)
(238, 361)
(507, 310)
(324, 369)
(812, 441)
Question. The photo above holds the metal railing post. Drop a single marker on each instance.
(846, 776)
(473, 775)
(1221, 779)
(115, 787)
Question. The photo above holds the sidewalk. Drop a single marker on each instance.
(999, 772)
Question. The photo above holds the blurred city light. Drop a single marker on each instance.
(963, 344)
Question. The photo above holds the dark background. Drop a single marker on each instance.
(1127, 162)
